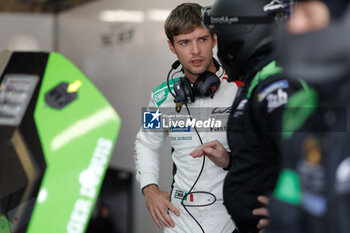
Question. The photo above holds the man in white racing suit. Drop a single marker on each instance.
(193, 205)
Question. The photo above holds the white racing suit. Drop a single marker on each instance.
(213, 218)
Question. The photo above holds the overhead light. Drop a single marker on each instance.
(157, 15)
(122, 16)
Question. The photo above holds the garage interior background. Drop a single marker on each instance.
(121, 46)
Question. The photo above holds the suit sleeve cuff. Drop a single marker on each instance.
(229, 164)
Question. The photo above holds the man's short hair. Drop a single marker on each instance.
(183, 19)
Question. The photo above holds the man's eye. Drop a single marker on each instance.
(202, 39)
(183, 43)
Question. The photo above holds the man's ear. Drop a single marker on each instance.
(214, 39)
(171, 47)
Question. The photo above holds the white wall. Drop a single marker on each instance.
(34, 31)
(125, 70)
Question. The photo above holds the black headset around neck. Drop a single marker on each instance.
(205, 86)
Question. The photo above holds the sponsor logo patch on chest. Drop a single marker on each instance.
(159, 96)
(276, 100)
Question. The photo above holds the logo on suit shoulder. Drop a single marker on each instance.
(272, 87)
(276, 100)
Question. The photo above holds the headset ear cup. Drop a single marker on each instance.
(206, 84)
(179, 93)
(188, 90)
(183, 91)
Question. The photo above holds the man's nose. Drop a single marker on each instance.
(195, 48)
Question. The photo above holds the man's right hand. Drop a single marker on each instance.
(158, 203)
(215, 151)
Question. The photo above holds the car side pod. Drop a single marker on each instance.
(57, 134)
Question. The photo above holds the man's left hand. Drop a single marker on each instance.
(263, 211)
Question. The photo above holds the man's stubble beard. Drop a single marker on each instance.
(197, 73)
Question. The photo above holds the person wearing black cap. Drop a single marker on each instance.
(245, 36)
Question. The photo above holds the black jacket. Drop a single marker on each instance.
(253, 137)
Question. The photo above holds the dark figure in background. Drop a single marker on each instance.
(313, 190)
(244, 30)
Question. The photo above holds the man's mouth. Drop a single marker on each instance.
(197, 62)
